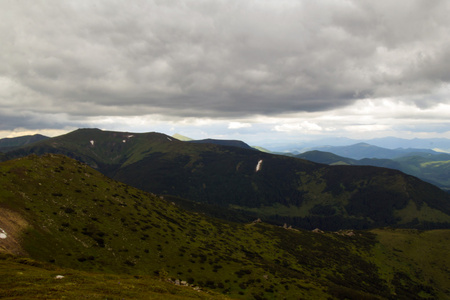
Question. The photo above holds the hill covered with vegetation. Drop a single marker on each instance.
(70, 219)
(7, 144)
(433, 168)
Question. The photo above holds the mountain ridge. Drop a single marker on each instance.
(436, 144)
(365, 150)
(233, 143)
(7, 144)
(279, 189)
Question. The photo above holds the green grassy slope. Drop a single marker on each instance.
(405, 256)
(434, 169)
(63, 212)
(24, 278)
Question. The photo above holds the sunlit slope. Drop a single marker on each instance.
(435, 169)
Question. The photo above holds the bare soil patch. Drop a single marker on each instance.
(12, 225)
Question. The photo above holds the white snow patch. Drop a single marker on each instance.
(124, 141)
(92, 142)
(3, 234)
(130, 136)
(169, 139)
(258, 166)
(59, 277)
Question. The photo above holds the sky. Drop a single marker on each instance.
(256, 70)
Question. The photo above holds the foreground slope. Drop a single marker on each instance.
(25, 278)
(275, 188)
(57, 210)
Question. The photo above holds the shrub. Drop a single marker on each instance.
(129, 263)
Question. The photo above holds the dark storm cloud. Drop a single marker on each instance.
(218, 58)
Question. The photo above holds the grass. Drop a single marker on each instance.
(24, 278)
(420, 258)
(97, 232)
(411, 213)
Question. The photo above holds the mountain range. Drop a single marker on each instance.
(436, 144)
(364, 150)
(68, 231)
(243, 184)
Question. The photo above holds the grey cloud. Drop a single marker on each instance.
(10, 120)
(219, 58)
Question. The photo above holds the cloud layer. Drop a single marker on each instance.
(69, 62)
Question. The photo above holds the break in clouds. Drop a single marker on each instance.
(217, 59)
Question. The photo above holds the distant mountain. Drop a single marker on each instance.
(261, 149)
(328, 158)
(181, 137)
(436, 144)
(74, 233)
(430, 143)
(7, 144)
(275, 188)
(364, 150)
(233, 143)
(300, 146)
(333, 159)
(433, 168)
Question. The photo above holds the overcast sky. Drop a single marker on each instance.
(243, 69)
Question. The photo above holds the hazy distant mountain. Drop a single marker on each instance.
(364, 150)
(328, 158)
(440, 144)
(333, 159)
(7, 144)
(392, 142)
(303, 146)
(277, 188)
